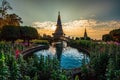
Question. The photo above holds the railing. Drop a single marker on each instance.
(30, 51)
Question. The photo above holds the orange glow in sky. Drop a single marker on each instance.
(76, 28)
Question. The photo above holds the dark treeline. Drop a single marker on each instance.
(12, 33)
(113, 35)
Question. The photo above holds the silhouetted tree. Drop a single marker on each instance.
(13, 19)
(8, 19)
(28, 33)
(106, 37)
(4, 8)
(10, 33)
(115, 34)
(87, 38)
(77, 38)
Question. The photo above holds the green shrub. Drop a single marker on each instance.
(37, 42)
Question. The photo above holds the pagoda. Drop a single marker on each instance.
(58, 34)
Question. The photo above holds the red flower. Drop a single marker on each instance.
(17, 52)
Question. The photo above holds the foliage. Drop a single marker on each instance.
(113, 67)
(4, 73)
(35, 68)
(28, 33)
(10, 33)
(98, 62)
(87, 38)
(104, 60)
(85, 71)
(46, 37)
(37, 42)
(106, 37)
(76, 78)
(113, 35)
(80, 43)
(8, 19)
(5, 7)
(104, 64)
(13, 19)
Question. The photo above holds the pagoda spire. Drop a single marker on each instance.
(58, 12)
(59, 31)
(85, 34)
(59, 20)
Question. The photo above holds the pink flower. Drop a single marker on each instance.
(116, 43)
(17, 52)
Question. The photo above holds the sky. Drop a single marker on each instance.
(98, 16)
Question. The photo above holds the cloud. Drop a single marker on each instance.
(107, 25)
(95, 28)
(43, 25)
